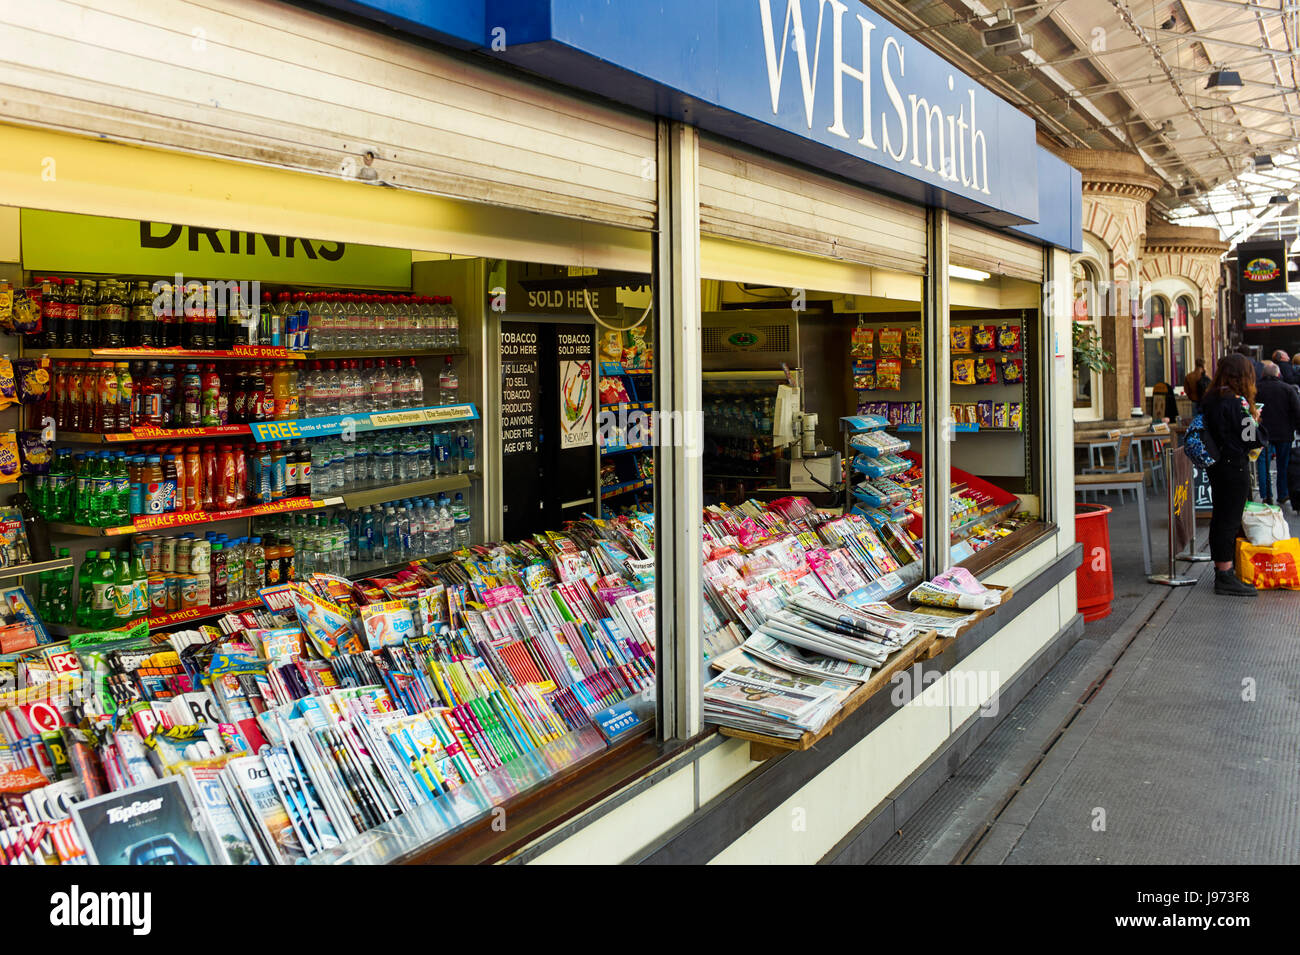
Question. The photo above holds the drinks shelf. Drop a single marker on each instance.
(153, 522)
(196, 614)
(289, 430)
(241, 352)
(155, 434)
(327, 354)
(395, 492)
(18, 570)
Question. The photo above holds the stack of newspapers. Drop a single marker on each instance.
(795, 671)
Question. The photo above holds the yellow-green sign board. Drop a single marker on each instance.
(67, 242)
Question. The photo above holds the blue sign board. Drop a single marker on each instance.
(828, 82)
(354, 423)
(614, 721)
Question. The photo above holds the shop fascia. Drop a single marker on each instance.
(949, 140)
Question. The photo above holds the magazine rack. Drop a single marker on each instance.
(926, 646)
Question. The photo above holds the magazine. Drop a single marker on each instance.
(145, 825)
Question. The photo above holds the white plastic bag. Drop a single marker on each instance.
(1264, 524)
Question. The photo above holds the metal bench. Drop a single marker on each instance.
(1123, 481)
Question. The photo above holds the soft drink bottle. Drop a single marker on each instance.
(85, 615)
(123, 590)
(62, 603)
(102, 582)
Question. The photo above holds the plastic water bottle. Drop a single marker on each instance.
(448, 383)
(460, 512)
(465, 459)
(442, 465)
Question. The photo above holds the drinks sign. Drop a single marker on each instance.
(68, 242)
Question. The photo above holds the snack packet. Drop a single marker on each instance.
(963, 371)
(1009, 338)
(986, 371)
(8, 389)
(889, 374)
(31, 379)
(34, 453)
(891, 343)
(983, 338)
(912, 345)
(862, 342)
(960, 339)
(864, 375)
(1013, 371)
(10, 463)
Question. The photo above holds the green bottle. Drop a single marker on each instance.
(104, 583)
(62, 601)
(139, 586)
(86, 590)
(123, 590)
(121, 490)
(80, 490)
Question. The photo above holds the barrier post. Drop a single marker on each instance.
(1179, 491)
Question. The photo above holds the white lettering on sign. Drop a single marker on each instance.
(938, 138)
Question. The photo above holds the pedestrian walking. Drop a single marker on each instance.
(1278, 422)
(1197, 382)
(1228, 413)
(1289, 373)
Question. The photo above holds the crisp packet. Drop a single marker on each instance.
(1009, 338)
(986, 371)
(10, 463)
(963, 371)
(864, 375)
(1013, 371)
(891, 343)
(862, 342)
(34, 453)
(912, 345)
(889, 374)
(31, 379)
(982, 339)
(960, 339)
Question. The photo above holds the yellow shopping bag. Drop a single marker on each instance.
(1271, 567)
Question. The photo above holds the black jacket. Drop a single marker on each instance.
(1281, 416)
(1232, 429)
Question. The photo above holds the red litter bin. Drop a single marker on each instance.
(1095, 581)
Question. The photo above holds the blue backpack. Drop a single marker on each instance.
(1199, 445)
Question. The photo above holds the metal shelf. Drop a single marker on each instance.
(19, 570)
(385, 353)
(177, 519)
(245, 353)
(395, 492)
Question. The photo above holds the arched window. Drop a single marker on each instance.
(1155, 354)
(1087, 312)
(1181, 338)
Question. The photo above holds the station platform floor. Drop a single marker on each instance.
(1168, 734)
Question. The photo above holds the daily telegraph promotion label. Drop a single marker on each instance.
(343, 424)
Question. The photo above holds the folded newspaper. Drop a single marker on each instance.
(746, 697)
(955, 588)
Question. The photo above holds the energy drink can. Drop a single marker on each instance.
(167, 564)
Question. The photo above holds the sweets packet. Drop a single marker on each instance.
(912, 345)
(984, 338)
(862, 342)
(891, 343)
(8, 388)
(1009, 338)
(986, 371)
(31, 379)
(959, 338)
(889, 374)
(34, 453)
(963, 371)
(10, 462)
(864, 375)
(1013, 371)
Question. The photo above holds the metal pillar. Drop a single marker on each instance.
(679, 475)
(936, 391)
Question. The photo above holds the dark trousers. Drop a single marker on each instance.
(1230, 487)
(1279, 451)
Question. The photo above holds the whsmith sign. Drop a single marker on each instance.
(827, 82)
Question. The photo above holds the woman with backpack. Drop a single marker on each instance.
(1228, 415)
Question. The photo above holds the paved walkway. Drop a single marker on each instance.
(1170, 733)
